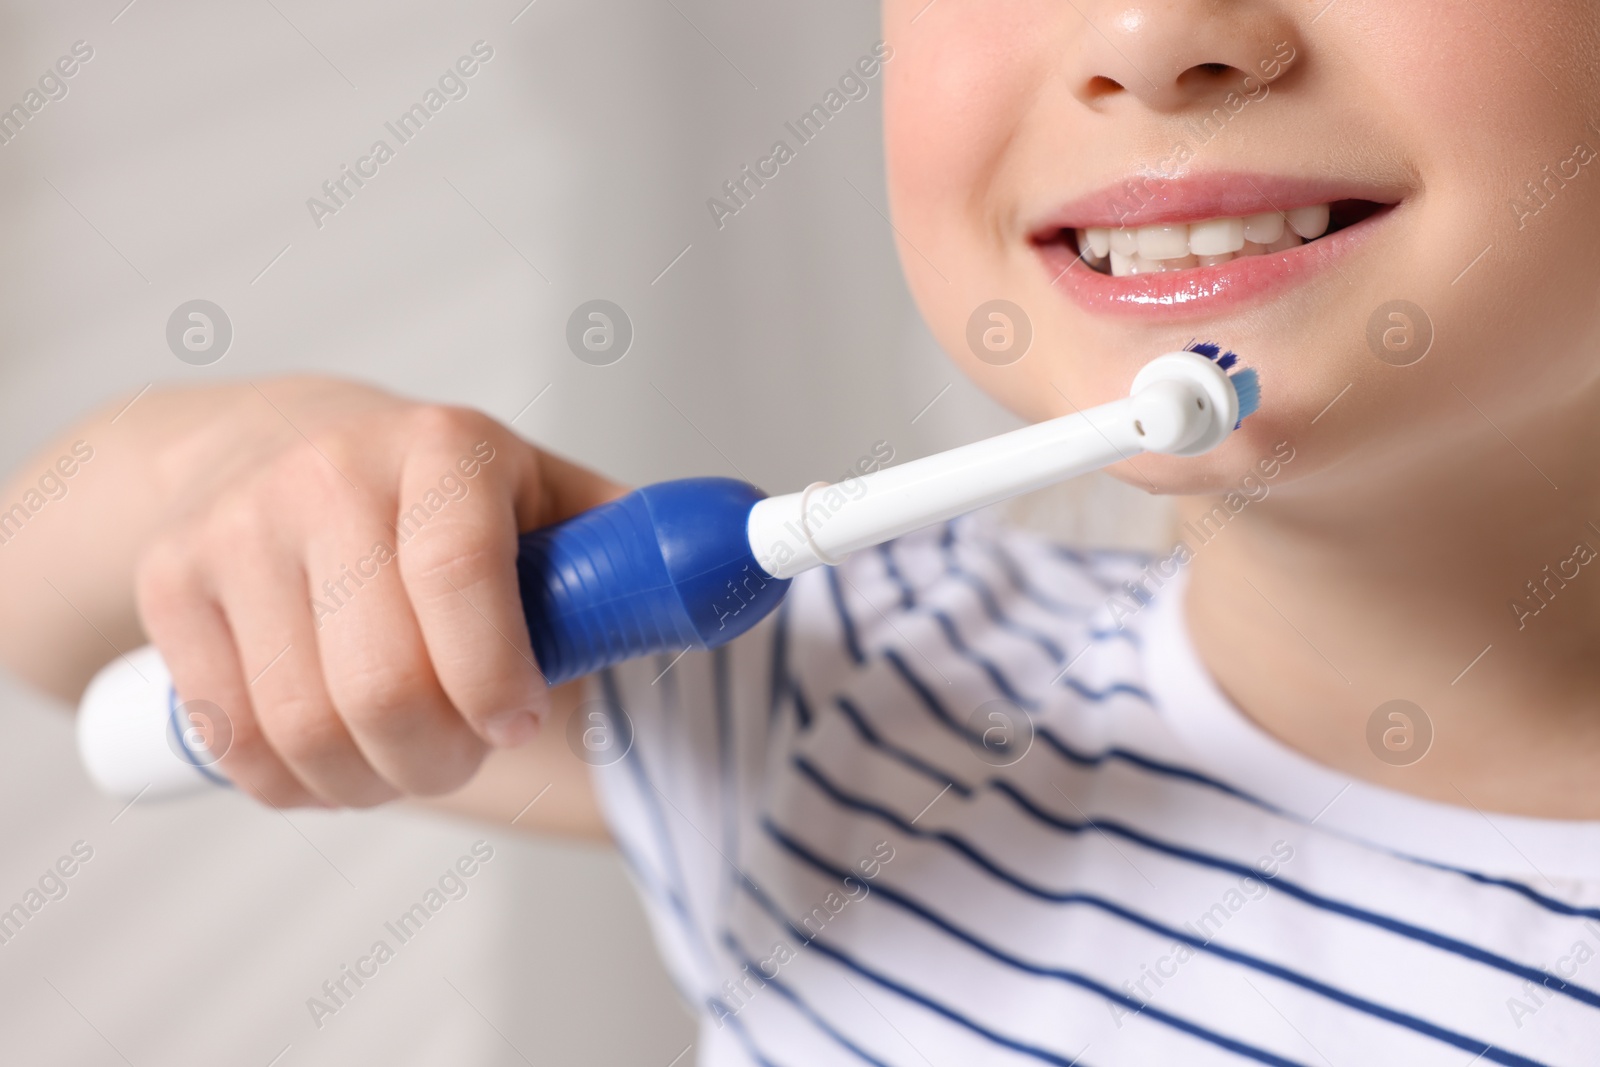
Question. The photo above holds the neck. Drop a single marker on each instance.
(1471, 590)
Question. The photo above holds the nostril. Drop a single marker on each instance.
(1101, 86)
(1206, 75)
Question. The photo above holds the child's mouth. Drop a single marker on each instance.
(1170, 247)
(1194, 247)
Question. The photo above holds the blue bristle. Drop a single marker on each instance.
(1248, 388)
(1214, 352)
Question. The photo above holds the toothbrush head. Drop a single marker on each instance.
(1187, 402)
(1244, 381)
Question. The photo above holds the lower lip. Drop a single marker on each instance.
(1201, 291)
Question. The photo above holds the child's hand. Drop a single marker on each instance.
(344, 589)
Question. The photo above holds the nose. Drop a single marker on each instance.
(1170, 54)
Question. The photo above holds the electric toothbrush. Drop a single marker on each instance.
(695, 563)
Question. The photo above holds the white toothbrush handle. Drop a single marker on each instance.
(133, 738)
(836, 520)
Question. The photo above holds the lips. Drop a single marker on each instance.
(1185, 248)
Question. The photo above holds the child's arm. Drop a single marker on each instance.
(332, 565)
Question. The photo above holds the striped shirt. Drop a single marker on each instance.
(941, 809)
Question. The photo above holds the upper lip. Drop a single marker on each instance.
(1148, 200)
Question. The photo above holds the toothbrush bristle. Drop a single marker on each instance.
(1248, 388)
(1245, 383)
(1214, 352)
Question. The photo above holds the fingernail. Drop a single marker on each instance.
(511, 728)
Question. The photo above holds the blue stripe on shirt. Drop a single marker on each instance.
(1527, 892)
(916, 763)
(727, 772)
(986, 596)
(1019, 580)
(742, 957)
(779, 688)
(936, 707)
(677, 884)
(852, 643)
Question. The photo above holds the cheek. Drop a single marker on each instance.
(958, 89)
(1503, 252)
(947, 105)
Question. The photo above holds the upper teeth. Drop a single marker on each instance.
(1178, 246)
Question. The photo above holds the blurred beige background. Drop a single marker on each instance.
(778, 348)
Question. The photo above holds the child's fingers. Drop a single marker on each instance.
(190, 630)
(358, 654)
(376, 665)
(269, 611)
(458, 561)
(554, 489)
